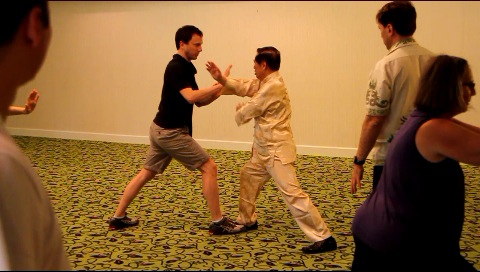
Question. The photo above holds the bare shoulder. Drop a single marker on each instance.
(431, 135)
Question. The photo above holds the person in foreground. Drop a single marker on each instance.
(414, 218)
(29, 106)
(171, 134)
(391, 89)
(274, 150)
(30, 235)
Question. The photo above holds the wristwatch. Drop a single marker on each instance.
(358, 162)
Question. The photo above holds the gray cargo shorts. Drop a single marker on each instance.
(175, 143)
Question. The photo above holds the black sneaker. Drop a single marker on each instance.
(253, 226)
(121, 223)
(225, 226)
(328, 244)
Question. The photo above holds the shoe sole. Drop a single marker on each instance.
(119, 228)
(225, 233)
(316, 252)
(115, 228)
(212, 232)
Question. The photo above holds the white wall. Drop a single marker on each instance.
(103, 75)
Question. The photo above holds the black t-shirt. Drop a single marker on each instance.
(174, 111)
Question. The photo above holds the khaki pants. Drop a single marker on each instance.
(252, 178)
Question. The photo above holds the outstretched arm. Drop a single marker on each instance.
(212, 97)
(239, 87)
(29, 106)
(216, 95)
(441, 138)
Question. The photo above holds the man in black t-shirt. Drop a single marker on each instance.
(171, 134)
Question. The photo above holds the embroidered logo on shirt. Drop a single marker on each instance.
(372, 98)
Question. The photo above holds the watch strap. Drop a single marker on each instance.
(357, 161)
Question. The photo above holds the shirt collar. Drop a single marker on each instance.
(186, 62)
(267, 78)
(178, 56)
(402, 43)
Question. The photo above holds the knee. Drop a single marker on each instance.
(209, 167)
(147, 175)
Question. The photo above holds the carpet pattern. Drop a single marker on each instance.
(85, 180)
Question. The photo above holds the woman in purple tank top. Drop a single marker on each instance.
(413, 219)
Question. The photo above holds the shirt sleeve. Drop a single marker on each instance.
(258, 104)
(177, 77)
(379, 91)
(241, 87)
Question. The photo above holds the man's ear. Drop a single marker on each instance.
(264, 65)
(34, 27)
(390, 29)
(181, 44)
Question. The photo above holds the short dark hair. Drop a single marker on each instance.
(401, 15)
(14, 12)
(440, 89)
(185, 34)
(270, 55)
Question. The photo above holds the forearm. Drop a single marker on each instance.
(370, 131)
(241, 87)
(197, 96)
(209, 100)
(240, 118)
(16, 110)
(222, 80)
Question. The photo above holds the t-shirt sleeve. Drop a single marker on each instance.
(379, 91)
(177, 77)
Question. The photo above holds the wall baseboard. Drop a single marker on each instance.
(208, 144)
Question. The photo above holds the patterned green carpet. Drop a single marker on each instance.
(85, 180)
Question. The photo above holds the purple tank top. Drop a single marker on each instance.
(415, 199)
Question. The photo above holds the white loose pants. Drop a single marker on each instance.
(252, 178)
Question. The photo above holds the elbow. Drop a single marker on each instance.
(191, 100)
(375, 121)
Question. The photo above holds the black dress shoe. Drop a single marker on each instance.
(252, 227)
(328, 244)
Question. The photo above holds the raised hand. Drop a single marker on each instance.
(214, 71)
(32, 101)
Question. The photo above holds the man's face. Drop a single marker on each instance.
(385, 34)
(259, 69)
(193, 48)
